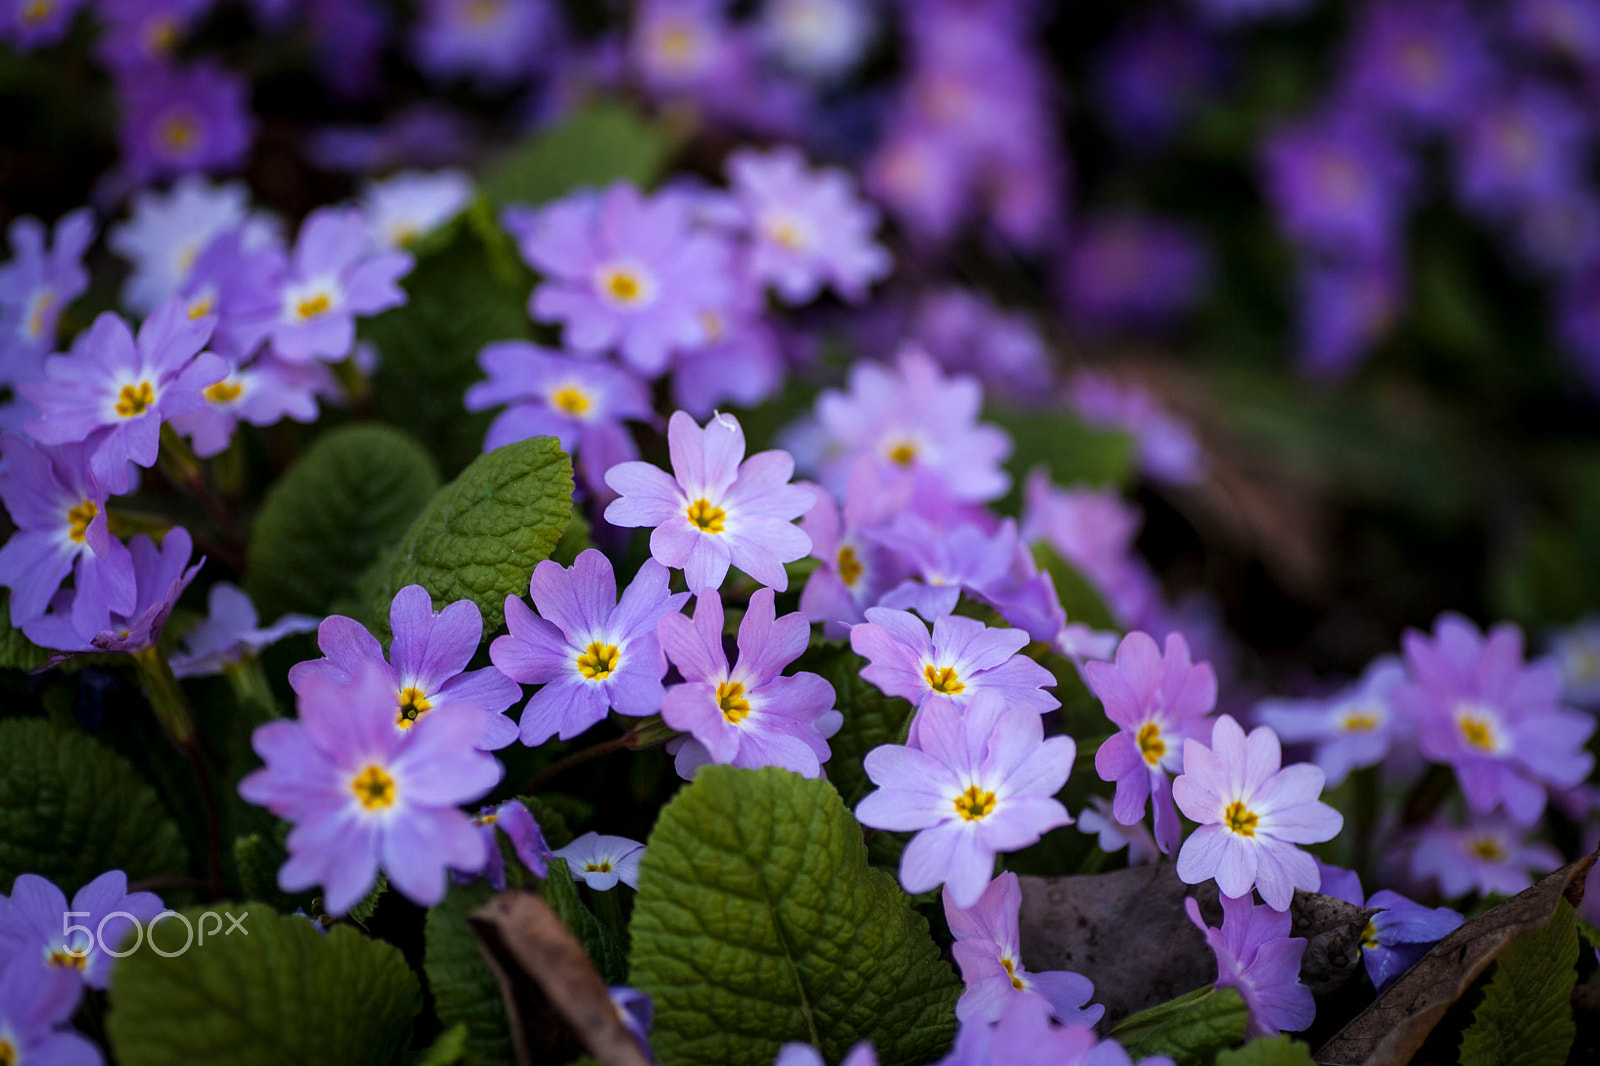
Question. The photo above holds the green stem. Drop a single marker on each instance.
(607, 907)
(166, 696)
(178, 460)
(352, 380)
(251, 687)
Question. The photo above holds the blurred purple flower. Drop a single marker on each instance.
(1168, 450)
(1568, 30)
(362, 794)
(412, 204)
(1236, 12)
(30, 24)
(1257, 957)
(796, 1054)
(181, 119)
(34, 1014)
(33, 927)
(36, 286)
(1398, 935)
(1151, 76)
(624, 271)
(1094, 530)
(856, 570)
(944, 562)
(1251, 814)
(527, 842)
(332, 278)
(496, 42)
(137, 35)
(1425, 61)
(1337, 183)
(715, 511)
(1490, 855)
(1346, 308)
(988, 950)
(160, 576)
(430, 652)
(742, 361)
(1493, 718)
(749, 715)
(822, 40)
(1133, 271)
(263, 393)
(1526, 146)
(580, 402)
(980, 783)
(1111, 835)
(231, 631)
(1157, 702)
(589, 652)
(1353, 728)
(1577, 649)
(969, 334)
(166, 232)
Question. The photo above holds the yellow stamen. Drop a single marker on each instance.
(1488, 849)
(161, 36)
(8, 1053)
(413, 705)
(1359, 722)
(79, 519)
(61, 958)
(730, 700)
(571, 399)
(602, 867)
(178, 133)
(203, 305)
(974, 804)
(1240, 819)
(1369, 937)
(1477, 727)
(43, 304)
(222, 392)
(313, 306)
(943, 679)
(706, 518)
(1150, 743)
(135, 399)
(487, 819)
(599, 661)
(849, 566)
(904, 453)
(35, 11)
(374, 788)
(785, 233)
(1011, 970)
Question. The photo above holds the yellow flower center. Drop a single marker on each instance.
(1150, 743)
(904, 453)
(974, 804)
(1585, 665)
(223, 392)
(711, 322)
(599, 661)
(1477, 728)
(570, 399)
(43, 304)
(706, 518)
(161, 36)
(202, 305)
(374, 788)
(1240, 819)
(623, 286)
(1488, 849)
(487, 819)
(601, 867)
(783, 232)
(79, 518)
(943, 679)
(730, 700)
(178, 132)
(8, 1053)
(1358, 722)
(312, 306)
(63, 959)
(1369, 937)
(677, 44)
(1011, 970)
(849, 566)
(34, 12)
(134, 400)
(413, 705)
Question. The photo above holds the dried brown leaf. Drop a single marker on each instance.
(556, 1002)
(1393, 1029)
(1332, 929)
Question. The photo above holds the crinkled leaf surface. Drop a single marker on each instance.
(465, 992)
(285, 993)
(1525, 1018)
(480, 536)
(1268, 1051)
(353, 493)
(17, 652)
(610, 958)
(1190, 1030)
(871, 719)
(71, 809)
(759, 922)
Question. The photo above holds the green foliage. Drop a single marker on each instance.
(352, 494)
(465, 992)
(1268, 1051)
(1080, 599)
(17, 652)
(480, 536)
(1525, 1017)
(469, 291)
(449, 1049)
(758, 921)
(604, 143)
(1191, 1030)
(870, 718)
(285, 993)
(1072, 452)
(71, 809)
(609, 956)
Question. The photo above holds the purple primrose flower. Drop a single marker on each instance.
(160, 576)
(1490, 855)
(527, 842)
(856, 570)
(35, 286)
(34, 1014)
(33, 926)
(602, 861)
(231, 632)
(947, 562)
(1398, 935)
(333, 277)
(1355, 727)
(1257, 957)
(180, 119)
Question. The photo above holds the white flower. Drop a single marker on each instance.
(600, 861)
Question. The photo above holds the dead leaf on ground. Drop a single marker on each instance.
(1333, 930)
(556, 1002)
(1393, 1029)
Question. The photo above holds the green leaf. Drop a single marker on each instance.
(1079, 598)
(449, 1049)
(1190, 1030)
(469, 292)
(1269, 1051)
(871, 719)
(285, 993)
(605, 142)
(609, 956)
(465, 992)
(353, 493)
(480, 536)
(71, 809)
(1525, 1018)
(758, 922)
(17, 652)
(1072, 452)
